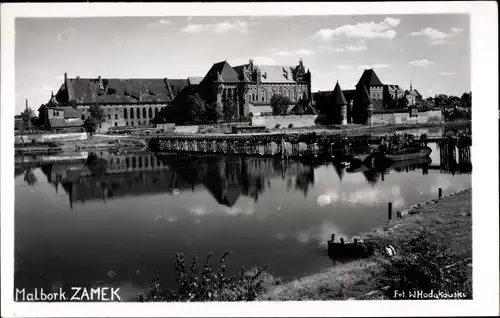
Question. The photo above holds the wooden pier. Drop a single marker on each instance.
(344, 250)
(280, 144)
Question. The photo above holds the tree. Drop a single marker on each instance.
(95, 118)
(426, 104)
(390, 103)
(30, 177)
(441, 100)
(402, 102)
(466, 99)
(229, 109)
(196, 108)
(29, 116)
(214, 112)
(280, 104)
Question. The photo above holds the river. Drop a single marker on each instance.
(115, 220)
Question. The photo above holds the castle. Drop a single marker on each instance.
(245, 90)
(357, 106)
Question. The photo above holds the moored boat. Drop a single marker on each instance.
(408, 153)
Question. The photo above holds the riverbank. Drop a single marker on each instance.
(433, 247)
(94, 143)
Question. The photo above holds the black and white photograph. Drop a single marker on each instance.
(250, 154)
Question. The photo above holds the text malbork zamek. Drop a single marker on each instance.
(73, 294)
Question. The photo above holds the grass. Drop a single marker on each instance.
(433, 252)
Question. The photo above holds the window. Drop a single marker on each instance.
(131, 123)
(131, 113)
(150, 113)
(109, 116)
(83, 117)
(138, 112)
(125, 113)
(262, 97)
(116, 124)
(144, 113)
(126, 123)
(156, 111)
(116, 116)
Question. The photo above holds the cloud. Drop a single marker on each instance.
(258, 60)
(301, 52)
(436, 36)
(370, 66)
(45, 89)
(447, 73)
(344, 67)
(364, 196)
(421, 63)
(159, 23)
(66, 35)
(218, 28)
(366, 30)
(228, 211)
(358, 47)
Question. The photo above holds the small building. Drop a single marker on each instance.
(413, 96)
(53, 116)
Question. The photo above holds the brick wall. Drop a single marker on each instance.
(401, 118)
(285, 121)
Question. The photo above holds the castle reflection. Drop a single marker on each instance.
(104, 176)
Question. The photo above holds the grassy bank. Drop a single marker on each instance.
(433, 251)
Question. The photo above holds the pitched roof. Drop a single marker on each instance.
(276, 74)
(221, 71)
(70, 112)
(114, 90)
(363, 95)
(60, 123)
(338, 97)
(369, 78)
(271, 73)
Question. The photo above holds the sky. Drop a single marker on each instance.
(430, 50)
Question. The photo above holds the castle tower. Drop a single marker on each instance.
(339, 105)
(363, 108)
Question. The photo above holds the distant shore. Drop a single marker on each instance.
(433, 252)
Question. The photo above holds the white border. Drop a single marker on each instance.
(484, 58)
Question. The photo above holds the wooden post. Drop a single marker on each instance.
(342, 240)
(440, 193)
(390, 210)
(333, 238)
(356, 242)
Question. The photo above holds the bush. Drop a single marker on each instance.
(290, 125)
(277, 125)
(209, 285)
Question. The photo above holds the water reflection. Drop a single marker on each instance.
(104, 176)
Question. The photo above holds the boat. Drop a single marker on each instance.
(408, 153)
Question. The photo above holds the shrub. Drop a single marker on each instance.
(277, 125)
(290, 125)
(209, 285)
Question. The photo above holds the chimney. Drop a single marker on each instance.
(65, 80)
